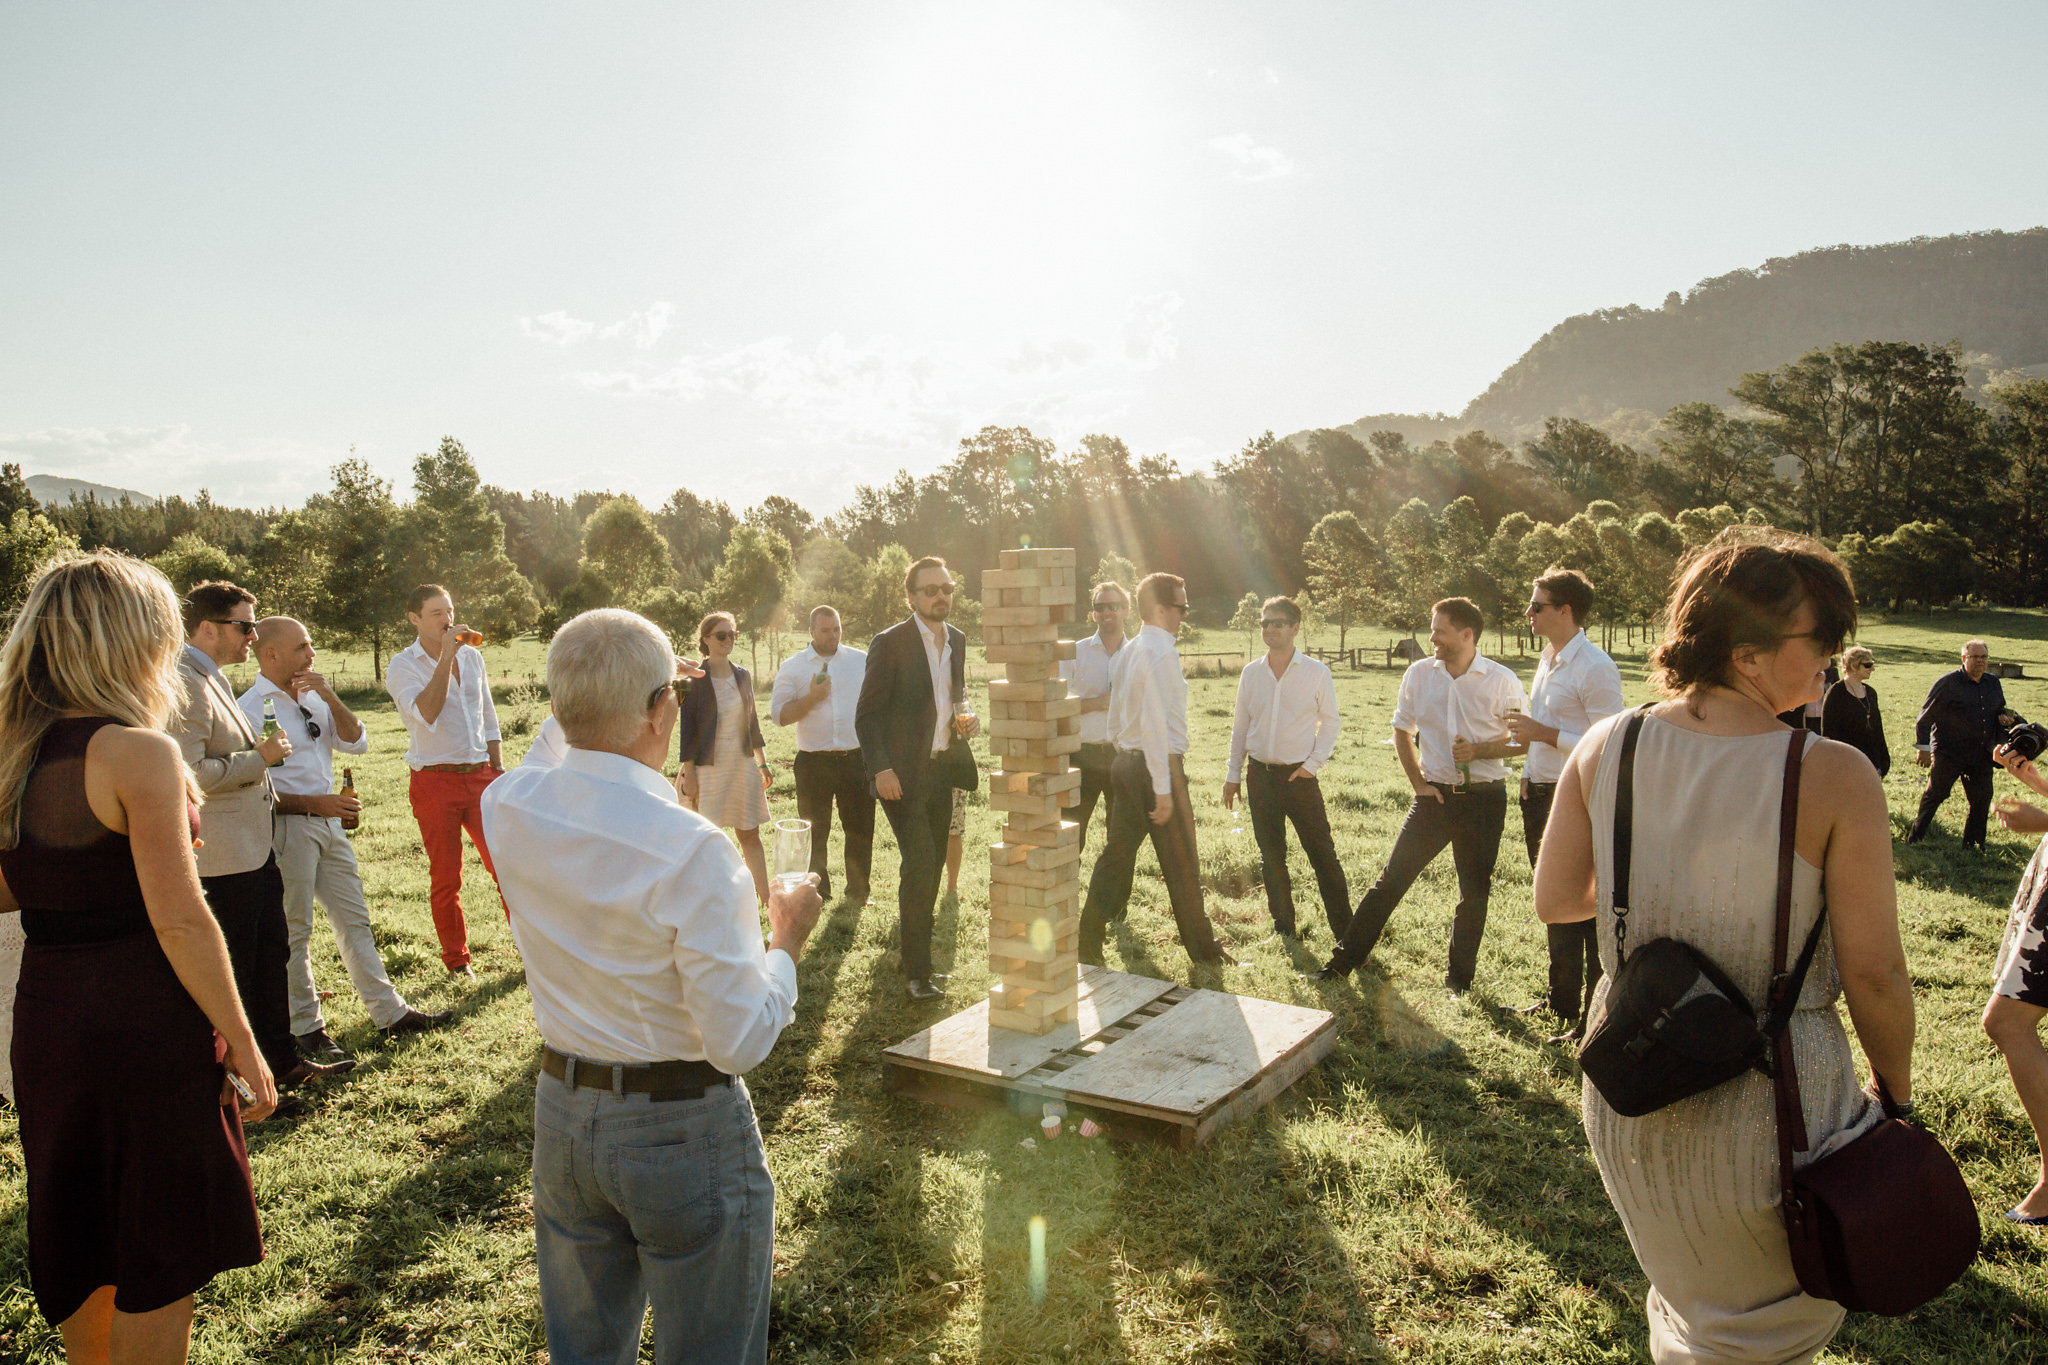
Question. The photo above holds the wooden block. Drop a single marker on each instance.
(1026, 803)
(1030, 896)
(1060, 836)
(1050, 558)
(1032, 855)
(1023, 1000)
(992, 579)
(1043, 879)
(1005, 597)
(1011, 934)
(1019, 635)
(1046, 710)
(1050, 978)
(1048, 671)
(1046, 652)
(1016, 616)
(1046, 597)
(1046, 692)
(1025, 949)
(1013, 1021)
(1023, 825)
(1038, 784)
(1042, 728)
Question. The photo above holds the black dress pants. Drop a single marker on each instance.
(1941, 780)
(1470, 820)
(826, 776)
(921, 821)
(1574, 948)
(1276, 797)
(1095, 762)
(249, 907)
(1130, 824)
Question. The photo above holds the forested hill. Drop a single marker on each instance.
(1986, 290)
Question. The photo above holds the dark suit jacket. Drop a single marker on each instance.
(897, 713)
(697, 726)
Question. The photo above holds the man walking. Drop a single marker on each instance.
(1148, 724)
(816, 690)
(636, 919)
(442, 695)
(237, 866)
(1286, 728)
(314, 854)
(1087, 678)
(1963, 719)
(916, 754)
(1576, 685)
(1457, 704)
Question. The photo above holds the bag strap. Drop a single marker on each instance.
(1784, 995)
(1624, 827)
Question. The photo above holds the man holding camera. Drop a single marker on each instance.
(1963, 719)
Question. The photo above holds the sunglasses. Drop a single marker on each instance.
(1274, 625)
(246, 627)
(938, 589)
(312, 726)
(1537, 608)
(724, 636)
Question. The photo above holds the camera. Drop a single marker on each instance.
(2026, 738)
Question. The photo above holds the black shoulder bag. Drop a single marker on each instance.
(1675, 1024)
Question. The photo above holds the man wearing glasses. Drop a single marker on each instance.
(313, 852)
(1576, 686)
(1286, 728)
(1963, 719)
(1148, 723)
(916, 755)
(237, 867)
(1087, 678)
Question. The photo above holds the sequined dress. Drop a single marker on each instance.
(1696, 1183)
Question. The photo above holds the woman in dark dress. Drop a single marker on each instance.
(138, 1180)
(1849, 711)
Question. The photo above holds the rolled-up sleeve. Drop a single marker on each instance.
(1405, 701)
(739, 995)
(784, 691)
(405, 683)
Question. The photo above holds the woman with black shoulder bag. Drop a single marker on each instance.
(1752, 622)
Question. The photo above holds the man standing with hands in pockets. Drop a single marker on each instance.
(1456, 705)
(816, 690)
(1576, 686)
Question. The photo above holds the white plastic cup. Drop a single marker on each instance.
(1050, 1126)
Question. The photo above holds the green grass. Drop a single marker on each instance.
(1426, 1194)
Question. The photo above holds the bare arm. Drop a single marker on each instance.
(1863, 908)
(346, 727)
(434, 695)
(1565, 888)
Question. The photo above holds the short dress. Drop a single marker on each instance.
(137, 1173)
(2022, 973)
(729, 792)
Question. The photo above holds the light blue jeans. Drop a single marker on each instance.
(635, 1201)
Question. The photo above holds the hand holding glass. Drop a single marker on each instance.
(792, 853)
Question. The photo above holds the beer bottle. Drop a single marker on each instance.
(348, 788)
(270, 724)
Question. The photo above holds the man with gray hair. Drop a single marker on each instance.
(636, 920)
(1963, 719)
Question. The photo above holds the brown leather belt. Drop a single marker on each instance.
(656, 1080)
(450, 767)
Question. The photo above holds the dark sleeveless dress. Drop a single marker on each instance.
(137, 1173)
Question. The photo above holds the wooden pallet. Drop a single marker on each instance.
(1141, 1056)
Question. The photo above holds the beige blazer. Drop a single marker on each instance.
(237, 821)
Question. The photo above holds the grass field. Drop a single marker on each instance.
(1426, 1194)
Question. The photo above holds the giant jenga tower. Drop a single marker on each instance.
(1034, 901)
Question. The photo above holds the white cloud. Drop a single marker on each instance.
(556, 327)
(1149, 338)
(1252, 161)
(645, 327)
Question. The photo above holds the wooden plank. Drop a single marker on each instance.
(1035, 763)
(1022, 949)
(1047, 878)
(964, 1044)
(1025, 673)
(1016, 616)
(1056, 975)
(1262, 1090)
(1198, 1053)
(1020, 635)
(1025, 803)
(1050, 557)
(1050, 690)
(1041, 728)
(1037, 784)
(1045, 710)
(1049, 652)
(992, 579)
(1067, 832)
(1030, 855)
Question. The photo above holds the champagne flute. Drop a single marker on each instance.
(792, 853)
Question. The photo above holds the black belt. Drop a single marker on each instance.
(1276, 767)
(1542, 786)
(829, 753)
(1468, 788)
(656, 1080)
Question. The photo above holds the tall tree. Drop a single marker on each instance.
(454, 538)
(14, 494)
(1343, 562)
(753, 582)
(365, 579)
(1704, 456)
(696, 529)
(28, 541)
(622, 547)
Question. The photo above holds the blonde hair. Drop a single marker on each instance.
(1856, 655)
(99, 634)
(602, 669)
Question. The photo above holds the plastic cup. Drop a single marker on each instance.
(1050, 1126)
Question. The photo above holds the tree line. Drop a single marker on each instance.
(1880, 448)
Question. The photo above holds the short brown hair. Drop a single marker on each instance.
(712, 618)
(823, 610)
(1463, 614)
(416, 600)
(1743, 587)
(1153, 587)
(1568, 588)
(211, 600)
(918, 566)
(1286, 606)
(1109, 585)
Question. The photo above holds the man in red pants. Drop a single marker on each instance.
(444, 699)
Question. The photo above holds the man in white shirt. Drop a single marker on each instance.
(817, 690)
(443, 697)
(313, 850)
(636, 919)
(1148, 723)
(1576, 686)
(1087, 676)
(1457, 703)
(1286, 728)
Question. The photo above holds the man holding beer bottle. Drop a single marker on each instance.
(816, 690)
(442, 695)
(313, 850)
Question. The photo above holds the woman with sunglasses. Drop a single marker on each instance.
(724, 776)
(1849, 711)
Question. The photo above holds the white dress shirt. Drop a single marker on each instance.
(1288, 719)
(1148, 703)
(309, 769)
(827, 727)
(468, 719)
(938, 652)
(635, 918)
(1441, 710)
(1574, 689)
(548, 746)
(1087, 676)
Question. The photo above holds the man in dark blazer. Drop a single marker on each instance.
(915, 752)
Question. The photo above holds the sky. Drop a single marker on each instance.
(790, 248)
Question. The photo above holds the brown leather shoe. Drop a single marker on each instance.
(415, 1021)
(307, 1072)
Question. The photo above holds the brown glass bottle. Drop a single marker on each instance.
(348, 788)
